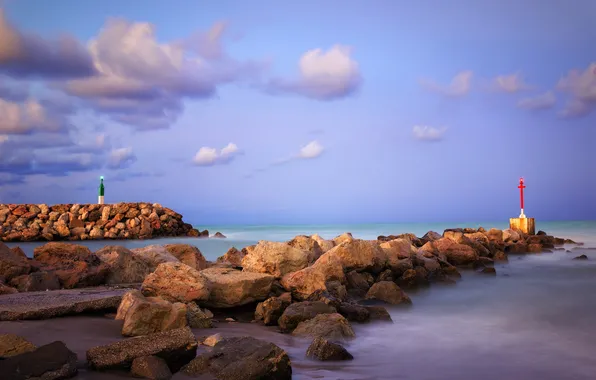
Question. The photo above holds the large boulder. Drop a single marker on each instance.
(324, 244)
(306, 281)
(275, 258)
(397, 250)
(232, 256)
(177, 282)
(48, 362)
(510, 235)
(345, 237)
(389, 292)
(359, 254)
(11, 345)
(270, 310)
(11, 263)
(187, 254)
(307, 243)
(331, 326)
(124, 266)
(143, 316)
(176, 347)
(455, 253)
(60, 254)
(154, 255)
(151, 367)
(241, 358)
(324, 350)
(231, 287)
(36, 281)
(302, 311)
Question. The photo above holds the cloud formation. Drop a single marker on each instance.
(581, 87)
(28, 55)
(323, 75)
(207, 156)
(19, 118)
(121, 158)
(311, 150)
(460, 85)
(510, 83)
(426, 133)
(539, 102)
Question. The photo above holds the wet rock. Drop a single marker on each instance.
(275, 258)
(48, 362)
(581, 257)
(197, 318)
(329, 326)
(219, 235)
(11, 345)
(232, 256)
(151, 367)
(357, 280)
(354, 312)
(177, 282)
(302, 311)
(325, 297)
(12, 264)
(143, 316)
(187, 254)
(325, 350)
(270, 310)
(36, 281)
(242, 358)
(389, 292)
(489, 270)
(304, 282)
(176, 347)
(378, 313)
(231, 287)
(124, 267)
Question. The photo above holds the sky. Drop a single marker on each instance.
(267, 112)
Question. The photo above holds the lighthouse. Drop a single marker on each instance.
(101, 191)
(523, 223)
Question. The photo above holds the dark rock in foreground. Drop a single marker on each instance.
(49, 362)
(242, 358)
(11, 345)
(151, 367)
(50, 304)
(176, 347)
(322, 349)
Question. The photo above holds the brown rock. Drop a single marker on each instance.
(231, 287)
(360, 255)
(397, 250)
(275, 258)
(304, 282)
(124, 267)
(232, 256)
(7, 289)
(389, 292)
(302, 311)
(197, 318)
(456, 254)
(12, 264)
(307, 243)
(187, 254)
(151, 367)
(270, 310)
(324, 244)
(51, 361)
(177, 282)
(331, 326)
(324, 350)
(11, 345)
(36, 281)
(345, 237)
(154, 255)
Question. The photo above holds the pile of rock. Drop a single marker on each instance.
(30, 222)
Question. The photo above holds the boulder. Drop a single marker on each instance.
(275, 258)
(510, 235)
(455, 253)
(144, 316)
(354, 312)
(431, 236)
(177, 282)
(197, 318)
(359, 254)
(302, 311)
(4, 289)
(324, 244)
(332, 326)
(378, 313)
(231, 287)
(581, 257)
(357, 280)
(324, 350)
(270, 310)
(389, 292)
(11, 345)
(36, 281)
(124, 267)
(242, 358)
(187, 254)
(494, 235)
(150, 367)
(397, 250)
(176, 347)
(345, 237)
(59, 254)
(154, 255)
(306, 281)
(12, 264)
(308, 244)
(232, 256)
(48, 362)
(325, 297)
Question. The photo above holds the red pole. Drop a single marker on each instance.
(521, 188)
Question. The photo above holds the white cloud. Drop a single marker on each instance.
(311, 150)
(426, 133)
(539, 102)
(19, 118)
(581, 86)
(460, 85)
(121, 158)
(207, 156)
(324, 75)
(511, 83)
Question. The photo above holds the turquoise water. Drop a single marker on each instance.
(242, 235)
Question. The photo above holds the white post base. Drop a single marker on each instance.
(522, 214)
(100, 200)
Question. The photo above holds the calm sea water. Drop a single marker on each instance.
(534, 320)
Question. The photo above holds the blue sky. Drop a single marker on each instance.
(302, 112)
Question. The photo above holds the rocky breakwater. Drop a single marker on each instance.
(34, 222)
(311, 288)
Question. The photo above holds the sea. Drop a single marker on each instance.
(534, 320)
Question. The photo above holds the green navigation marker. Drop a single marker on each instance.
(101, 191)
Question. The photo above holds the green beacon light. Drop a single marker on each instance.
(101, 191)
